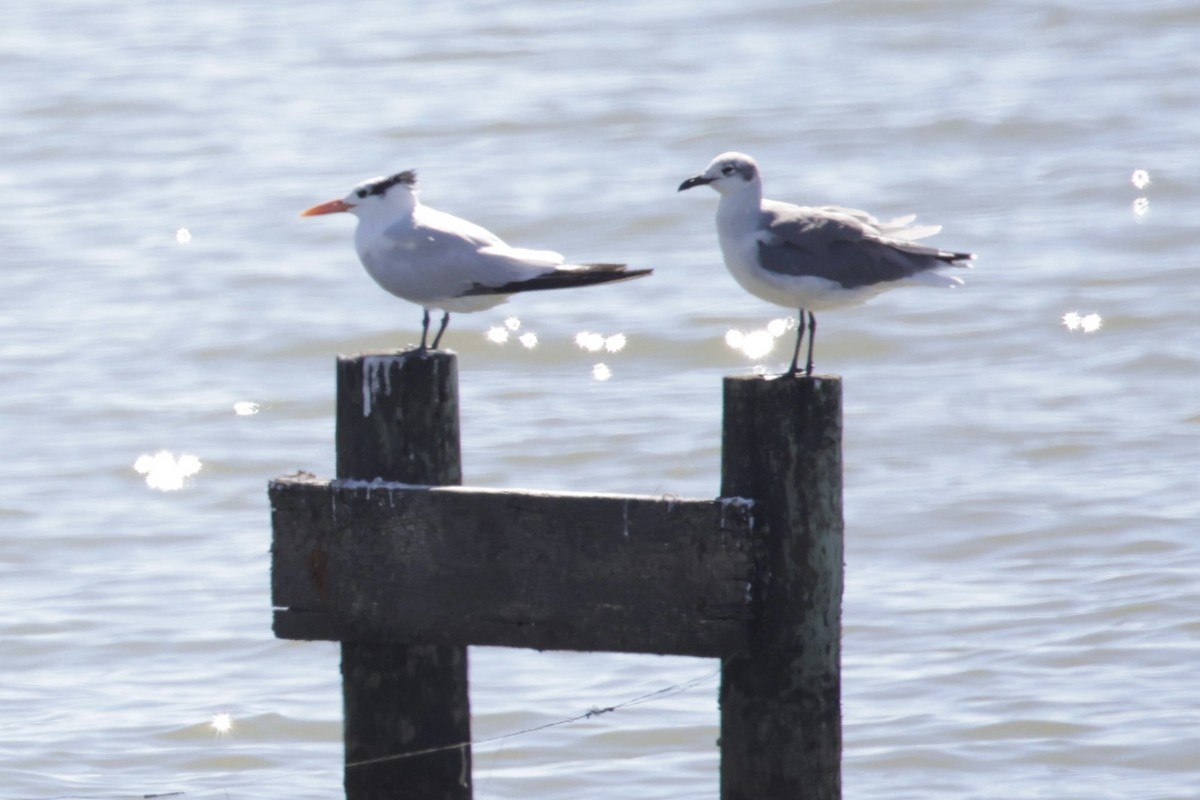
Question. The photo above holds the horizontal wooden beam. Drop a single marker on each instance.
(357, 561)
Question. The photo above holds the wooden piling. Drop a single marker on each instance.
(406, 569)
(781, 724)
(397, 420)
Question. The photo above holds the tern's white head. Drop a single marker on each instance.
(390, 196)
(729, 173)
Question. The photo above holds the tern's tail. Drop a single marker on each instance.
(564, 277)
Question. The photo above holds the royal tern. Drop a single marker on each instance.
(440, 261)
(818, 258)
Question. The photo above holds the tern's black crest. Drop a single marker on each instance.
(381, 186)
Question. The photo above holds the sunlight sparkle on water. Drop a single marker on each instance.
(778, 327)
(595, 342)
(222, 723)
(183, 236)
(500, 334)
(245, 408)
(1140, 178)
(752, 344)
(615, 343)
(1141, 206)
(1088, 323)
(759, 343)
(601, 372)
(164, 471)
(592, 342)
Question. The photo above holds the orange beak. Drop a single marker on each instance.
(332, 207)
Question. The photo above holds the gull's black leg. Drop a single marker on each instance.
(799, 338)
(445, 321)
(424, 328)
(812, 334)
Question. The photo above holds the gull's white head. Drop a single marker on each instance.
(395, 192)
(728, 173)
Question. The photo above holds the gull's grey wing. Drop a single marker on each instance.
(841, 245)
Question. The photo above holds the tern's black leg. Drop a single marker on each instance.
(445, 321)
(812, 334)
(799, 338)
(424, 328)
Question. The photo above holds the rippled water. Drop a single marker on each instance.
(1021, 498)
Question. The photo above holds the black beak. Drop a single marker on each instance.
(691, 183)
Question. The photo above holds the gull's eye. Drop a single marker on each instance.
(727, 169)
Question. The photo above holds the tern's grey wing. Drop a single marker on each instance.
(435, 256)
(839, 245)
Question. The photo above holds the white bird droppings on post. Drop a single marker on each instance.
(744, 504)
(377, 373)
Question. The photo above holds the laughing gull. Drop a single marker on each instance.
(814, 258)
(439, 261)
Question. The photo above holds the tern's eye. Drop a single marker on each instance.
(361, 193)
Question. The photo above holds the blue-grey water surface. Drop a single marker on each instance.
(1022, 612)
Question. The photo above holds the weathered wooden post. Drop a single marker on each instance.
(781, 723)
(397, 420)
(406, 569)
